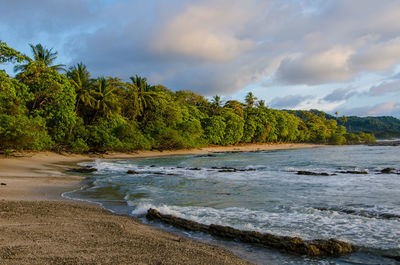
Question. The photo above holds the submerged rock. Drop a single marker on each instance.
(232, 169)
(194, 168)
(207, 155)
(83, 169)
(387, 170)
(352, 172)
(386, 143)
(293, 245)
(309, 173)
(227, 170)
(131, 171)
(364, 213)
(397, 258)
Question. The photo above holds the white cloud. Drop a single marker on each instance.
(288, 102)
(340, 95)
(380, 56)
(385, 88)
(220, 46)
(388, 108)
(326, 66)
(205, 30)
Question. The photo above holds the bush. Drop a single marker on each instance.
(21, 132)
(79, 146)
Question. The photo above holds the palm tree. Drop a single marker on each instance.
(250, 99)
(343, 119)
(216, 105)
(216, 101)
(145, 98)
(261, 103)
(41, 55)
(104, 98)
(79, 78)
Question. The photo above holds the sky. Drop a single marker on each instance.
(334, 55)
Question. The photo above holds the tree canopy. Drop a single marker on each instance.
(44, 108)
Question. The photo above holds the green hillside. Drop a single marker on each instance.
(382, 127)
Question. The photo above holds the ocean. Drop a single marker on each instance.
(262, 191)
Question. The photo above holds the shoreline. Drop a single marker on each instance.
(41, 175)
(37, 179)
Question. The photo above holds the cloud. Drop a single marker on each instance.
(326, 66)
(215, 46)
(206, 31)
(385, 88)
(29, 18)
(289, 102)
(340, 94)
(376, 57)
(388, 108)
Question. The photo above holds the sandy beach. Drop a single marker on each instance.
(38, 226)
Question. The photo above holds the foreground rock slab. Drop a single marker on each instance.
(292, 245)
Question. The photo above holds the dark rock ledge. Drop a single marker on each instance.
(292, 245)
(309, 173)
(85, 169)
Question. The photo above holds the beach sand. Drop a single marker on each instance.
(38, 226)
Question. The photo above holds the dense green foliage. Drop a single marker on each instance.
(42, 108)
(383, 127)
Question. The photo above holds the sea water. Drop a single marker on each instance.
(263, 192)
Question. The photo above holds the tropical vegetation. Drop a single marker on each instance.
(51, 107)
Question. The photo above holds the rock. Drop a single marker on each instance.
(387, 170)
(397, 258)
(83, 169)
(3, 184)
(194, 168)
(207, 155)
(352, 172)
(309, 173)
(365, 213)
(131, 171)
(227, 170)
(154, 215)
(232, 169)
(293, 245)
(386, 143)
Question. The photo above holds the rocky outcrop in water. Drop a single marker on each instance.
(83, 169)
(386, 143)
(309, 173)
(131, 171)
(387, 170)
(293, 245)
(232, 169)
(352, 172)
(397, 258)
(364, 213)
